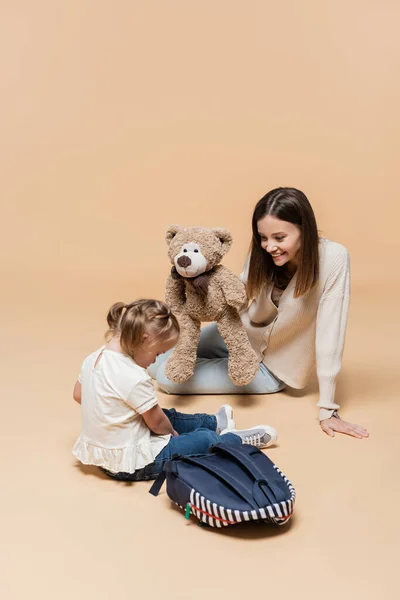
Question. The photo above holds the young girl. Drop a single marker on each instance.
(299, 287)
(124, 430)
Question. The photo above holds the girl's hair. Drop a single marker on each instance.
(131, 321)
(286, 204)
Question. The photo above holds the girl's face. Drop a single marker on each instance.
(280, 239)
(146, 354)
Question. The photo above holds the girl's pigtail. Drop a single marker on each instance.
(114, 318)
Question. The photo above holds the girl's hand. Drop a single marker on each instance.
(337, 424)
(175, 434)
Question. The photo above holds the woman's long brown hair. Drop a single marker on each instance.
(286, 204)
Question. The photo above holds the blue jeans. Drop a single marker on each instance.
(211, 371)
(197, 433)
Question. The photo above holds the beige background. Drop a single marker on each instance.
(117, 119)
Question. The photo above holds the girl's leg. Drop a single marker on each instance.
(185, 423)
(195, 442)
(147, 472)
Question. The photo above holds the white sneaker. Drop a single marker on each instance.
(224, 416)
(261, 436)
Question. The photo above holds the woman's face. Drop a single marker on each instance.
(280, 239)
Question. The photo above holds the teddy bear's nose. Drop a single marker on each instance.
(184, 261)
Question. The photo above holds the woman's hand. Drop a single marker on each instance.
(337, 424)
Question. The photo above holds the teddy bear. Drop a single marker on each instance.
(200, 289)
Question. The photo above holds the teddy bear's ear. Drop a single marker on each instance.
(171, 233)
(224, 236)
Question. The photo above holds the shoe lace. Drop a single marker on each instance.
(253, 440)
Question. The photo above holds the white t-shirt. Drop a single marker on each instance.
(115, 392)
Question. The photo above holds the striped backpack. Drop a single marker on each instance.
(231, 484)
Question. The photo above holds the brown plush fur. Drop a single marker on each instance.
(217, 295)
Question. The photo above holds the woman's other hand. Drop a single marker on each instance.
(336, 424)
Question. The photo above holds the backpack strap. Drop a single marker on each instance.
(157, 485)
(240, 456)
(227, 478)
(262, 490)
(169, 466)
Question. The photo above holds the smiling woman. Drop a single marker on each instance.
(299, 290)
(284, 226)
(282, 245)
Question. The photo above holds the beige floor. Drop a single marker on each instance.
(117, 119)
(69, 532)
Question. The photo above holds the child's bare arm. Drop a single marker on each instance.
(76, 394)
(158, 422)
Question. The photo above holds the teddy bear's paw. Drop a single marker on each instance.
(242, 369)
(179, 372)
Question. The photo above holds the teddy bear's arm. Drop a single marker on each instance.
(175, 294)
(232, 288)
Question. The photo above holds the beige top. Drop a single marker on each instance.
(305, 332)
(116, 391)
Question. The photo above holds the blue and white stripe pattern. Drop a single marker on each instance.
(215, 515)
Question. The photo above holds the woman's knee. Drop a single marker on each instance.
(267, 388)
(265, 382)
(277, 386)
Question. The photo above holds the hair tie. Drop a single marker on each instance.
(163, 316)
